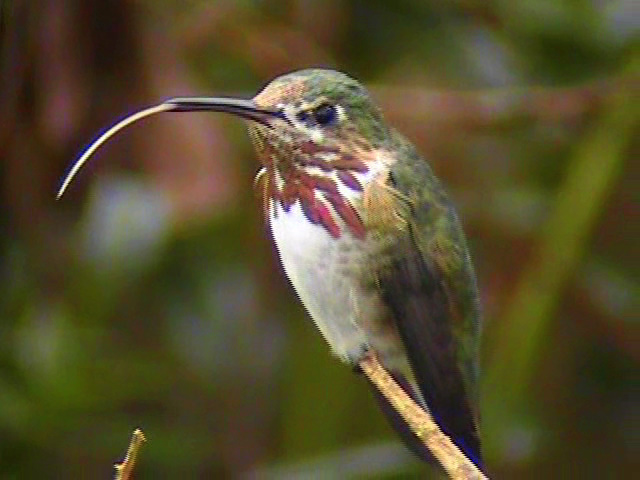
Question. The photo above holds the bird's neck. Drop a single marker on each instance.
(327, 181)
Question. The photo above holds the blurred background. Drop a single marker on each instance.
(151, 296)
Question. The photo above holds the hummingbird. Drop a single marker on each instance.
(368, 238)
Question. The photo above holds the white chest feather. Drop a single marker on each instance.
(330, 278)
(324, 272)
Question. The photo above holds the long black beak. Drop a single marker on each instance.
(246, 109)
(236, 106)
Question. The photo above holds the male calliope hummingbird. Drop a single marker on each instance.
(367, 237)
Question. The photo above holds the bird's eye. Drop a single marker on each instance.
(325, 114)
(302, 116)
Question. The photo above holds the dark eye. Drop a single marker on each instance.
(325, 114)
(302, 116)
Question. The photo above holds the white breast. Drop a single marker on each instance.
(323, 272)
(328, 276)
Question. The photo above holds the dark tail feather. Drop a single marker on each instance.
(411, 441)
(417, 295)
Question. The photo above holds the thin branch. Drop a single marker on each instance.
(443, 449)
(124, 470)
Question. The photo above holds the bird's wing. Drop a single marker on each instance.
(428, 284)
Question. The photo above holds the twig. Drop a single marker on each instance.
(443, 449)
(125, 469)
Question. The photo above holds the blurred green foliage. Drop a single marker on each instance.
(151, 296)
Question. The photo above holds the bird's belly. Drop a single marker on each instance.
(329, 277)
